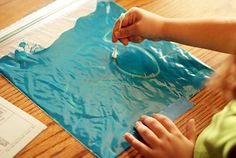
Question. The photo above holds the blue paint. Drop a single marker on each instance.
(22, 44)
(136, 62)
(98, 99)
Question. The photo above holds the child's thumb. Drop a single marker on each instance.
(126, 32)
(191, 130)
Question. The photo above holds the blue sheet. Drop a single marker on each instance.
(95, 98)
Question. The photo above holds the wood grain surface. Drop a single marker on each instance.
(13, 10)
(55, 141)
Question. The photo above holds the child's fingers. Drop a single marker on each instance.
(114, 39)
(137, 145)
(126, 21)
(166, 122)
(191, 130)
(148, 136)
(136, 39)
(115, 28)
(125, 41)
(126, 31)
(154, 125)
(127, 26)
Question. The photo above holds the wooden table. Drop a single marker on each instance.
(54, 141)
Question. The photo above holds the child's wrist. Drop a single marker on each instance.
(163, 28)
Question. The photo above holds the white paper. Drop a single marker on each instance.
(17, 129)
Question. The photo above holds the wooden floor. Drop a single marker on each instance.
(54, 141)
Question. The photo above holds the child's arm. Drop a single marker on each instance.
(215, 34)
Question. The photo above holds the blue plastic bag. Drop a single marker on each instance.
(98, 99)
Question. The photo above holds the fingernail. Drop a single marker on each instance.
(155, 115)
(128, 134)
(126, 43)
(117, 34)
(142, 117)
(192, 120)
(137, 124)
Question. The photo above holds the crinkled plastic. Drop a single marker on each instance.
(96, 98)
(45, 25)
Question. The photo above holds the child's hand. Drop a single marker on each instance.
(162, 138)
(138, 25)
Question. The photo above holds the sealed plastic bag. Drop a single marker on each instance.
(96, 98)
